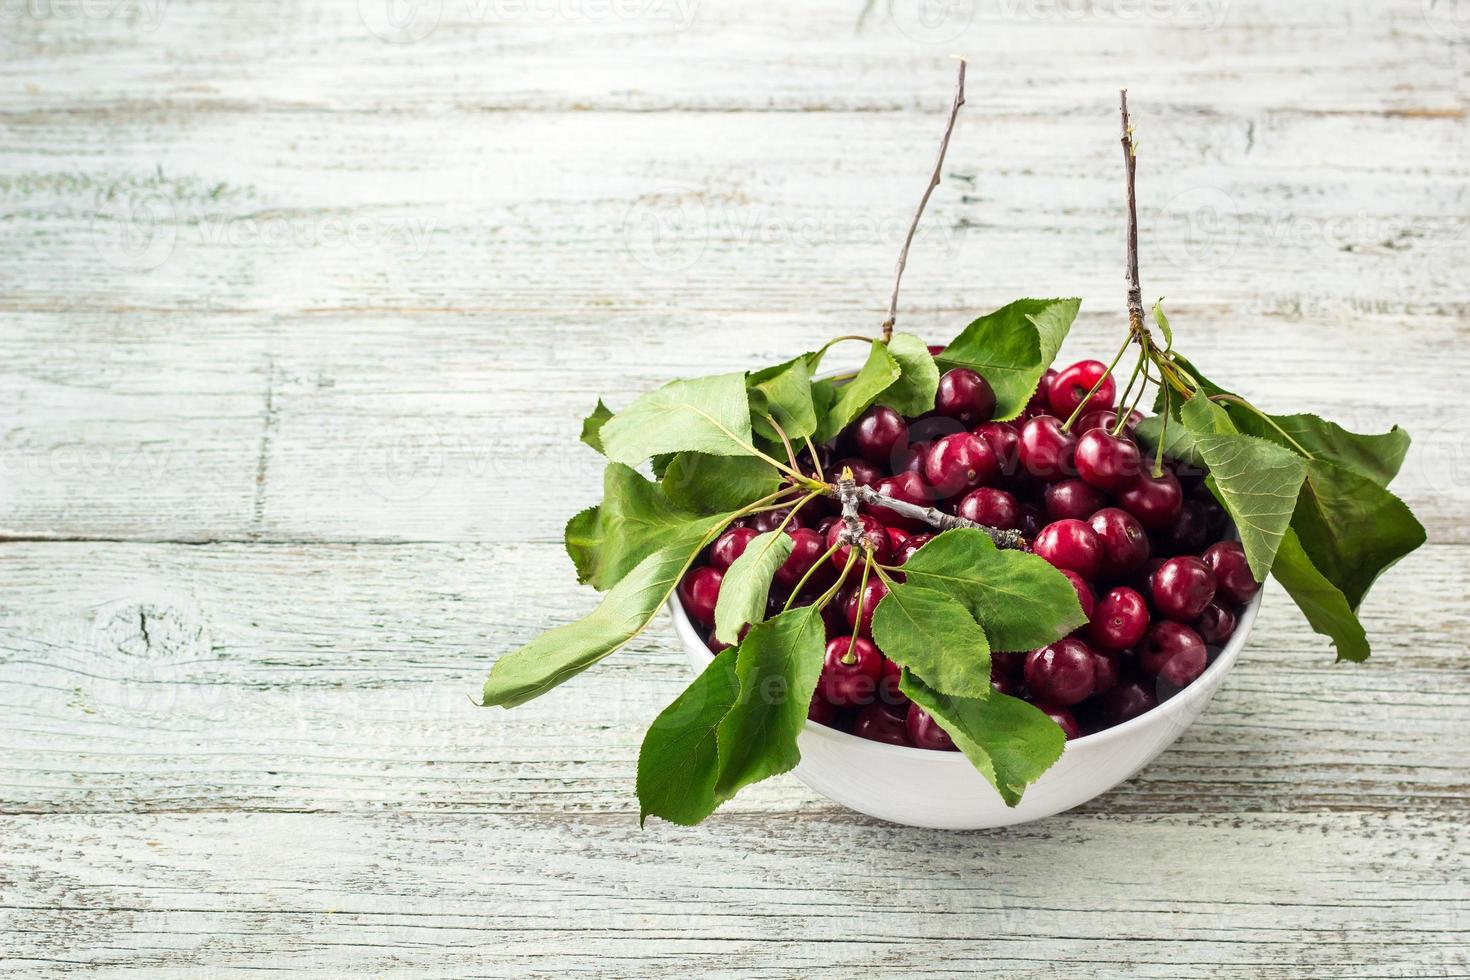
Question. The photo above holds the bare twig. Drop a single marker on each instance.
(934, 517)
(1130, 163)
(903, 256)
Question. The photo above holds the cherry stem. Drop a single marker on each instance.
(850, 657)
(820, 563)
(1237, 400)
(785, 441)
(903, 256)
(1097, 384)
(816, 461)
(1163, 431)
(1122, 419)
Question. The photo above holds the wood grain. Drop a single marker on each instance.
(284, 300)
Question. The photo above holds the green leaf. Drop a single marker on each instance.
(853, 398)
(1352, 528)
(785, 393)
(1021, 600)
(680, 759)
(1163, 323)
(1256, 481)
(1324, 605)
(1178, 443)
(934, 635)
(634, 520)
(778, 663)
(592, 425)
(918, 379)
(1377, 457)
(747, 584)
(709, 415)
(1012, 348)
(560, 654)
(712, 484)
(1010, 742)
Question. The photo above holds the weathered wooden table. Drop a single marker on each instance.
(303, 303)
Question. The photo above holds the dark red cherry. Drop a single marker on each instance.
(1182, 587)
(1125, 546)
(913, 544)
(1033, 519)
(911, 460)
(731, 545)
(1062, 672)
(1216, 520)
(1107, 668)
(1072, 384)
(1189, 532)
(1215, 625)
(1070, 544)
(1039, 403)
(1045, 450)
(850, 672)
(874, 534)
(925, 732)
(880, 435)
(1064, 719)
(1006, 683)
(1128, 700)
(699, 591)
(772, 519)
(1226, 560)
(1155, 501)
(1085, 598)
(864, 473)
(888, 679)
(1173, 653)
(879, 723)
(907, 487)
(991, 507)
(871, 595)
(820, 711)
(1106, 461)
(1005, 440)
(959, 462)
(1119, 620)
(898, 537)
(1106, 418)
(965, 395)
(807, 548)
(1072, 499)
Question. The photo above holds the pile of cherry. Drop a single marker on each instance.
(1149, 556)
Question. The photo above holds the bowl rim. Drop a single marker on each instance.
(1201, 687)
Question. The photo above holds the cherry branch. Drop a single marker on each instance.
(932, 516)
(847, 492)
(903, 256)
(1130, 163)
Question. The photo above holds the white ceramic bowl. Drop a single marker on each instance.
(924, 788)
